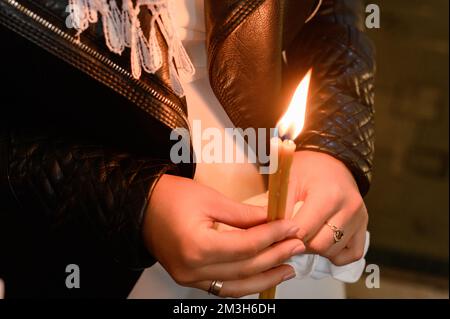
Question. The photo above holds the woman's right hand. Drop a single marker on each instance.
(179, 230)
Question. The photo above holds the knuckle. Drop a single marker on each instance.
(251, 248)
(338, 262)
(365, 216)
(238, 275)
(182, 278)
(329, 255)
(243, 272)
(357, 204)
(354, 256)
(365, 220)
(357, 255)
(335, 193)
(193, 255)
(356, 209)
(193, 259)
(360, 215)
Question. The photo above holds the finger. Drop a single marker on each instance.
(237, 214)
(349, 229)
(323, 242)
(316, 210)
(233, 245)
(269, 258)
(354, 250)
(352, 224)
(291, 197)
(253, 284)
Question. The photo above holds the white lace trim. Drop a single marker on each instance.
(122, 29)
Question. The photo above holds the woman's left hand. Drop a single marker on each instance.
(331, 198)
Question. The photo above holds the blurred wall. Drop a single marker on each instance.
(408, 203)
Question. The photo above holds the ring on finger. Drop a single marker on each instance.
(215, 287)
(337, 232)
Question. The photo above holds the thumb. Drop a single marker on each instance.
(239, 215)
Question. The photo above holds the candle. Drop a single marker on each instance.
(283, 149)
(2, 289)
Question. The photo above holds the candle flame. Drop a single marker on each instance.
(292, 122)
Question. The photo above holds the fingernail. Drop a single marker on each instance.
(290, 275)
(293, 231)
(300, 234)
(298, 250)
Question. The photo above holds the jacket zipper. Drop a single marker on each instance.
(99, 57)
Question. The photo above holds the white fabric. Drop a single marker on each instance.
(122, 28)
(318, 267)
(315, 266)
(190, 27)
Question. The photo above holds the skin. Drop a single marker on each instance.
(330, 194)
(180, 229)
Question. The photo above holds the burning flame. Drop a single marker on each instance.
(292, 122)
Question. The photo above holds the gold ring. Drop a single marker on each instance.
(337, 233)
(215, 287)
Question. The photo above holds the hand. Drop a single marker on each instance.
(179, 230)
(330, 194)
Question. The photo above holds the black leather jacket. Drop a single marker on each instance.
(83, 143)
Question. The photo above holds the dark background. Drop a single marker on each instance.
(408, 202)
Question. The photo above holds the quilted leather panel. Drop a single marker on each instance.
(340, 117)
(102, 190)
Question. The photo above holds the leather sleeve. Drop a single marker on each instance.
(100, 193)
(340, 116)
